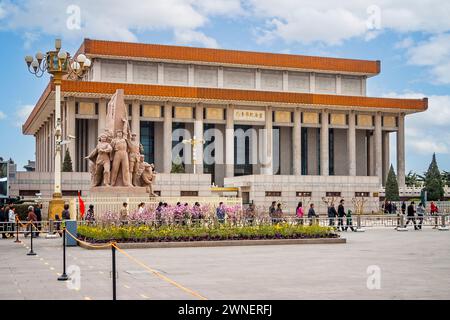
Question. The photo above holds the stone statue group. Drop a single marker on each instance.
(118, 160)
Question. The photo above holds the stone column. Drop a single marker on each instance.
(338, 84)
(130, 72)
(198, 134)
(191, 75)
(267, 166)
(312, 82)
(401, 151)
(70, 130)
(160, 73)
(297, 143)
(386, 151)
(229, 142)
(258, 79)
(136, 119)
(102, 105)
(378, 152)
(220, 77)
(324, 161)
(285, 81)
(167, 137)
(351, 142)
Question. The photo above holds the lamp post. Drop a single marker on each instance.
(58, 63)
(193, 142)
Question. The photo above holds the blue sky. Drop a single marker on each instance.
(411, 38)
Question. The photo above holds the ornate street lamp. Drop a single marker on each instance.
(59, 64)
(194, 142)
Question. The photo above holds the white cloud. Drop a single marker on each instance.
(194, 37)
(2, 115)
(22, 114)
(427, 132)
(433, 53)
(115, 19)
(307, 21)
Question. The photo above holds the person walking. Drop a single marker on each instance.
(32, 219)
(65, 214)
(349, 222)
(90, 216)
(272, 210)
(410, 215)
(434, 210)
(250, 214)
(299, 212)
(403, 207)
(332, 214)
(311, 214)
(220, 213)
(124, 213)
(141, 207)
(420, 214)
(341, 215)
(278, 213)
(12, 220)
(38, 213)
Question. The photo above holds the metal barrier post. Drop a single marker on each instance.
(31, 253)
(443, 227)
(402, 226)
(64, 276)
(17, 232)
(113, 251)
(359, 228)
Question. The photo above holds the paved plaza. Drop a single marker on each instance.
(413, 265)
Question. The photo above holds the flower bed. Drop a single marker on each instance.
(146, 233)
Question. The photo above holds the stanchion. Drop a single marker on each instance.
(402, 226)
(64, 276)
(17, 232)
(359, 228)
(31, 253)
(443, 227)
(113, 251)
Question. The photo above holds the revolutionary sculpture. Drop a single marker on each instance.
(117, 160)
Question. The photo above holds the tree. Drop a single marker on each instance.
(67, 163)
(446, 177)
(392, 193)
(433, 181)
(412, 179)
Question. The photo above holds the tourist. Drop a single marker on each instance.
(349, 222)
(299, 212)
(341, 215)
(124, 213)
(272, 211)
(32, 219)
(278, 213)
(434, 212)
(90, 216)
(250, 214)
(403, 207)
(394, 208)
(410, 215)
(311, 214)
(141, 208)
(65, 213)
(38, 213)
(197, 214)
(12, 217)
(332, 214)
(3, 221)
(220, 212)
(420, 214)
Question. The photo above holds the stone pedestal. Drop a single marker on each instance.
(118, 191)
(55, 206)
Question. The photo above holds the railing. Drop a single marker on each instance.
(115, 204)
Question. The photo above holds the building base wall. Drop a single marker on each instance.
(263, 189)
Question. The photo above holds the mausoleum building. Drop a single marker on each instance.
(275, 126)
